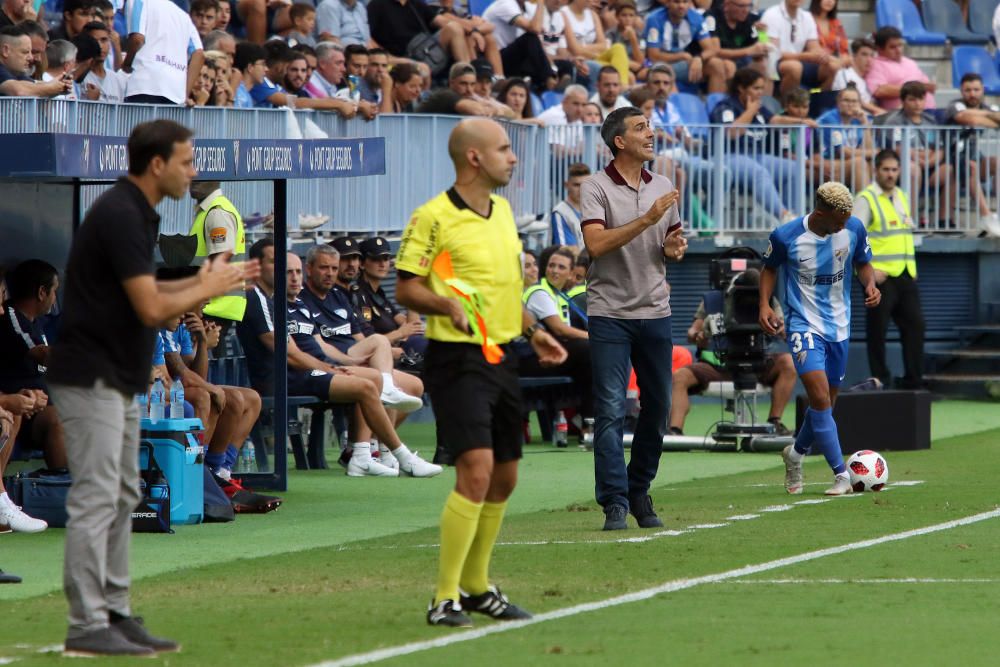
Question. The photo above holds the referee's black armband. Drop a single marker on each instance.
(405, 275)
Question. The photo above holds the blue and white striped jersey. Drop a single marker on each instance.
(817, 274)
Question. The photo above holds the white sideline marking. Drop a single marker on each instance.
(742, 517)
(903, 580)
(812, 501)
(704, 526)
(776, 508)
(668, 587)
(905, 482)
(7, 661)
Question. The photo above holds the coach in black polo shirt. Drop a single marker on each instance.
(374, 304)
(94, 376)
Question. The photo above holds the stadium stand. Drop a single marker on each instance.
(946, 17)
(903, 14)
(981, 17)
(966, 59)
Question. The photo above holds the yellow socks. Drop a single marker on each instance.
(475, 574)
(459, 523)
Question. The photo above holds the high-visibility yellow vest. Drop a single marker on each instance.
(543, 286)
(577, 291)
(233, 305)
(891, 238)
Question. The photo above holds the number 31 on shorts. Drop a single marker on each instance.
(798, 339)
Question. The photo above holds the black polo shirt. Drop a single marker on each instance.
(376, 309)
(302, 328)
(335, 316)
(393, 25)
(7, 75)
(101, 335)
(18, 336)
(738, 37)
(256, 322)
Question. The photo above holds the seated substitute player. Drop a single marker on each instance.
(779, 375)
(815, 253)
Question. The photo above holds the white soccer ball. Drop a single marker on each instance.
(869, 471)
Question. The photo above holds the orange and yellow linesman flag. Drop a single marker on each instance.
(471, 301)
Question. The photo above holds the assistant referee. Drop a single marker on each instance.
(462, 248)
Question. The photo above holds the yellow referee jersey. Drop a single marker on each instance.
(485, 254)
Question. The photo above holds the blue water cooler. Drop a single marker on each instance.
(177, 446)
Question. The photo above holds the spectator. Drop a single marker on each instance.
(551, 306)
(219, 40)
(566, 214)
(734, 26)
(297, 76)
(331, 65)
(930, 164)
(251, 61)
(850, 139)
(407, 84)
(303, 18)
(779, 374)
(515, 94)
(109, 83)
(625, 31)
(862, 54)
(585, 38)
(204, 16)
(279, 54)
(39, 41)
(891, 69)
(87, 51)
(478, 35)
(340, 328)
(609, 87)
(109, 17)
(972, 110)
(260, 16)
(559, 118)
(377, 74)
(642, 99)
(222, 91)
(592, 116)
(267, 94)
(460, 97)
(343, 22)
(751, 162)
(356, 60)
(822, 165)
(885, 211)
(24, 355)
(13, 12)
(204, 90)
(76, 14)
(403, 330)
(224, 16)
(163, 53)
(530, 265)
(676, 34)
(60, 57)
(802, 61)
(15, 66)
(528, 35)
(831, 34)
(394, 24)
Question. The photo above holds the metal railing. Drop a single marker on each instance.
(733, 180)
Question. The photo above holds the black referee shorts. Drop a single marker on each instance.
(309, 383)
(476, 404)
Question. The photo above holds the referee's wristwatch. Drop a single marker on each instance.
(531, 331)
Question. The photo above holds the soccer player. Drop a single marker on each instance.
(472, 294)
(816, 253)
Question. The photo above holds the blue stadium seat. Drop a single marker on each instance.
(477, 7)
(965, 59)
(903, 14)
(693, 112)
(946, 17)
(550, 98)
(712, 100)
(536, 104)
(981, 17)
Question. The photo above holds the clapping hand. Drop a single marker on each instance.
(674, 244)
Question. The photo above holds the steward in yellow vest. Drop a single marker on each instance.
(543, 286)
(890, 233)
(218, 227)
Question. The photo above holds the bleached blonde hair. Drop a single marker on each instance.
(835, 196)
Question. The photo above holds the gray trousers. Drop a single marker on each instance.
(102, 448)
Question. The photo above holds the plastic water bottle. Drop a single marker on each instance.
(156, 401)
(355, 85)
(142, 404)
(177, 399)
(248, 457)
(560, 430)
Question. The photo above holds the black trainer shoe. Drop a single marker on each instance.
(614, 517)
(494, 604)
(645, 515)
(449, 613)
(135, 631)
(6, 578)
(106, 641)
(779, 428)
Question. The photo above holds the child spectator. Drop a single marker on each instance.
(303, 17)
(626, 32)
(862, 54)
(204, 16)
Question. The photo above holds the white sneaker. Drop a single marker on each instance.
(990, 224)
(18, 521)
(841, 486)
(386, 458)
(397, 399)
(417, 467)
(310, 221)
(369, 468)
(793, 472)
